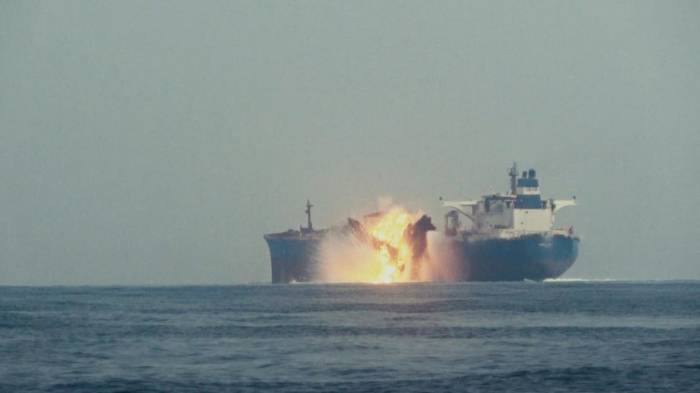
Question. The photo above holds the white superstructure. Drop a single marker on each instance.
(521, 211)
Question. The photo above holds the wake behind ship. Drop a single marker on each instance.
(500, 237)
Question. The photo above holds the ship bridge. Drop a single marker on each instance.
(521, 210)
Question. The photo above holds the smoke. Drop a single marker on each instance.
(385, 203)
(440, 263)
(343, 258)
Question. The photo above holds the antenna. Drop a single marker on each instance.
(309, 225)
(513, 173)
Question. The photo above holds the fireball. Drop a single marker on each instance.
(386, 247)
(393, 254)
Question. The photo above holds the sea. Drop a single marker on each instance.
(553, 336)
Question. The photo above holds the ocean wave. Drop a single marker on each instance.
(568, 379)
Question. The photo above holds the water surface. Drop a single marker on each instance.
(518, 337)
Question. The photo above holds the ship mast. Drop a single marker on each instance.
(309, 225)
(513, 173)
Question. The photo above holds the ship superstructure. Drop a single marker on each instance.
(521, 211)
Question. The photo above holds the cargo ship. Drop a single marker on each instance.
(499, 237)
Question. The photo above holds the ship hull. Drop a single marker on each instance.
(292, 259)
(529, 257)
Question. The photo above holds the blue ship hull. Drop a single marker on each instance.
(530, 257)
(293, 259)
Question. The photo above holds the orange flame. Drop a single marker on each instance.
(389, 229)
(385, 258)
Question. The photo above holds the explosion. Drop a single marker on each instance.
(393, 254)
(386, 247)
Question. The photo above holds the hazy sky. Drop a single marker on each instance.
(155, 142)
